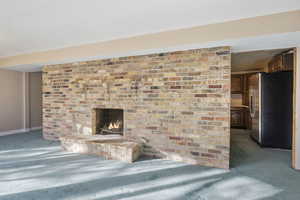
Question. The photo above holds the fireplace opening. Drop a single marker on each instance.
(109, 121)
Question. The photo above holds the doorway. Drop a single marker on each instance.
(262, 88)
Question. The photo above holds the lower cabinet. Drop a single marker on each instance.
(238, 117)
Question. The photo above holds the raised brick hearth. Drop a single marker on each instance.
(110, 147)
(176, 105)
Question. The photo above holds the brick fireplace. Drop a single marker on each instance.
(176, 104)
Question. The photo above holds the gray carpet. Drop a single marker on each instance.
(36, 169)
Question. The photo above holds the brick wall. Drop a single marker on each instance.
(177, 103)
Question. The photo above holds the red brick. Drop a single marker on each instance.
(215, 86)
(207, 118)
(200, 95)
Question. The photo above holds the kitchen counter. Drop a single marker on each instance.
(239, 106)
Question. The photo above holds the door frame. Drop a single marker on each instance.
(296, 112)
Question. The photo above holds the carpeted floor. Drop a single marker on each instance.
(36, 169)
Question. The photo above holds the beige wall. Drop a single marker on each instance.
(20, 101)
(35, 97)
(11, 100)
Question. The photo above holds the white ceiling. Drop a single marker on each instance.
(36, 25)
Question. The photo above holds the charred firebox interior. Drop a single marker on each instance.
(109, 121)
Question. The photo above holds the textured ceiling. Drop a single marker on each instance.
(36, 25)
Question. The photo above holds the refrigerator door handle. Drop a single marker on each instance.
(252, 113)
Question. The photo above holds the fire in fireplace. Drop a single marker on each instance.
(109, 121)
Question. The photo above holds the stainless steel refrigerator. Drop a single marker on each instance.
(271, 109)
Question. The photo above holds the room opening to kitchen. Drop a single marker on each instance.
(262, 89)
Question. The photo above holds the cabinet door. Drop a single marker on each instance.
(288, 62)
(236, 84)
(237, 118)
(284, 62)
(275, 64)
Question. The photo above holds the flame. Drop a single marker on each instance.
(114, 125)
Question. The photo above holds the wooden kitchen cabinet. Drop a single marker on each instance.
(238, 117)
(281, 62)
(239, 101)
(237, 84)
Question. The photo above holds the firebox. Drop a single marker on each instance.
(108, 121)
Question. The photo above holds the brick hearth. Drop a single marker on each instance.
(116, 147)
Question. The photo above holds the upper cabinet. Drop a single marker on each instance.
(237, 84)
(281, 62)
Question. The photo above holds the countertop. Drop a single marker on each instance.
(239, 106)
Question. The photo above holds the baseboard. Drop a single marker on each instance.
(36, 128)
(11, 132)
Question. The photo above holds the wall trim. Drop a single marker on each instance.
(36, 128)
(296, 112)
(26, 101)
(11, 132)
(17, 131)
